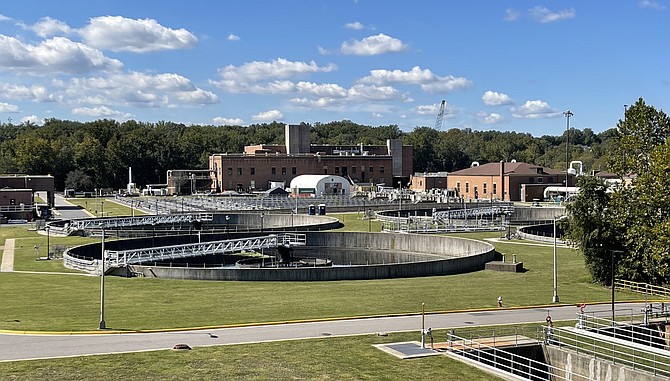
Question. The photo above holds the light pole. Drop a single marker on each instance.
(227, 225)
(102, 324)
(567, 114)
(48, 246)
(262, 216)
(555, 298)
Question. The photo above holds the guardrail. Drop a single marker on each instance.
(634, 333)
(506, 361)
(643, 288)
(631, 356)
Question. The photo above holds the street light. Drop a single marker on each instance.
(262, 215)
(555, 298)
(227, 225)
(48, 246)
(102, 324)
(567, 114)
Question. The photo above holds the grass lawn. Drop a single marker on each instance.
(72, 302)
(341, 358)
(104, 207)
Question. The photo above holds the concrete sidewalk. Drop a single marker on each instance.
(7, 265)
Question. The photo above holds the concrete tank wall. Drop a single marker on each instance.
(443, 256)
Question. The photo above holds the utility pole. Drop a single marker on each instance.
(567, 114)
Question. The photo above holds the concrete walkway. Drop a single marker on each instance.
(7, 265)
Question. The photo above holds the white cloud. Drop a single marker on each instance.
(32, 119)
(118, 33)
(48, 26)
(323, 51)
(4, 18)
(6, 107)
(373, 45)
(354, 25)
(491, 118)
(53, 56)
(511, 14)
(544, 15)
(268, 116)
(138, 89)
(377, 115)
(417, 76)
(433, 109)
(228, 121)
(280, 68)
(99, 111)
(233, 37)
(535, 110)
(35, 93)
(494, 98)
(650, 4)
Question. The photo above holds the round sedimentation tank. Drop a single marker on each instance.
(335, 256)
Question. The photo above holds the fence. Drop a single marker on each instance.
(643, 288)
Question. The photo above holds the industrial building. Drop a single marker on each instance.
(17, 194)
(261, 167)
(504, 181)
(320, 185)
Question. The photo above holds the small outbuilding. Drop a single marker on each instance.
(320, 185)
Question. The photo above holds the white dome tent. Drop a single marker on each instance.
(320, 185)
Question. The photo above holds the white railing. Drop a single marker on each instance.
(634, 333)
(643, 288)
(600, 348)
(162, 253)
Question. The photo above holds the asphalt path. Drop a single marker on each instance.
(40, 346)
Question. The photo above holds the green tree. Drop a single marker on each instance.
(78, 180)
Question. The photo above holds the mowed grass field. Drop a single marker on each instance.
(70, 302)
(54, 302)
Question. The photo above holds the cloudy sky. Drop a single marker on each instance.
(500, 65)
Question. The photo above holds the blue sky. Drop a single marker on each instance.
(500, 65)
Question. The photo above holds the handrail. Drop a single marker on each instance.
(608, 350)
(643, 288)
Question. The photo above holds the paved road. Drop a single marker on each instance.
(21, 347)
(67, 210)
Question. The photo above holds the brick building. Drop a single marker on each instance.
(261, 165)
(507, 181)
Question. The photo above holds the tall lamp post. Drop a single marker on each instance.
(567, 114)
(262, 216)
(555, 298)
(227, 225)
(102, 324)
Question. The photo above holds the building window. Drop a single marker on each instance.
(337, 170)
(353, 170)
(540, 180)
(458, 187)
(476, 192)
(495, 188)
(239, 171)
(283, 171)
(294, 170)
(252, 170)
(467, 187)
(274, 170)
(371, 169)
(325, 169)
(381, 169)
(344, 171)
(230, 171)
(484, 188)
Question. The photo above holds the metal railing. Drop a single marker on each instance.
(166, 253)
(507, 361)
(631, 356)
(643, 288)
(148, 220)
(631, 332)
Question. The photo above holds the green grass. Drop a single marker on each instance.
(104, 207)
(341, 358)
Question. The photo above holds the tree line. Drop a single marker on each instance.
(97, 154)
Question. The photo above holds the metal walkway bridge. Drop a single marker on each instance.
(124, 222)
(163, 253)
(495, 210)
